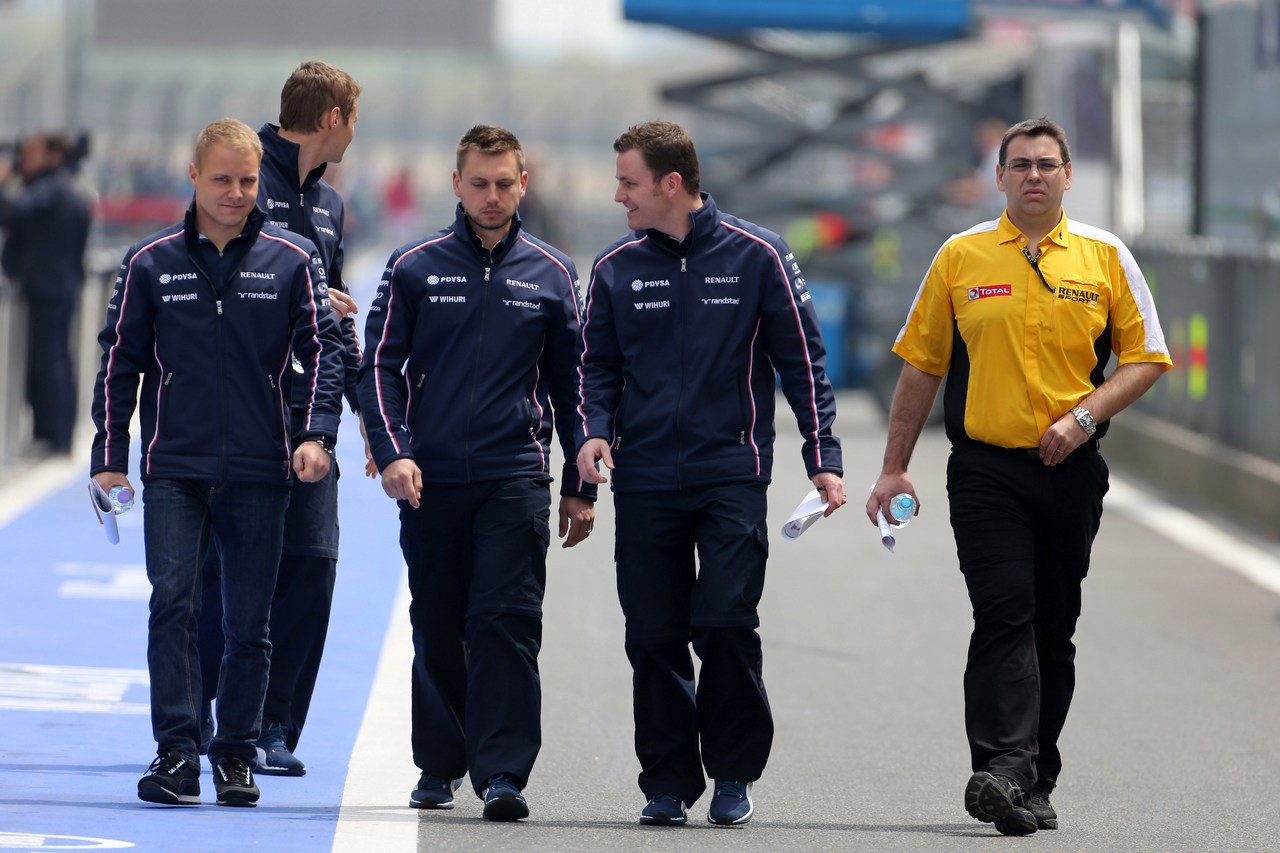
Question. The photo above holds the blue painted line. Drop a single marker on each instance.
(75, 772)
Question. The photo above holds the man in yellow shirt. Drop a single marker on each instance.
(1022, 314)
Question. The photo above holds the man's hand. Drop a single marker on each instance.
(310, 462)
(577, 518)
(594, 450)
(370, 467)
(402, 481)
(883, 491)
(108, 480)
(831, 487)
(342, 303)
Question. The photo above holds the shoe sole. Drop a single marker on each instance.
(150, 792)
(1019, 822)
(714, 821)
(986, 800)
(506, 807)
(426, 804)
(238, 798)
(646, 820)
(266, 770)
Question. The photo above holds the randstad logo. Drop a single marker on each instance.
(990, 290)
(165, 278)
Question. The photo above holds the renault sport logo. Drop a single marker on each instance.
(990, 290)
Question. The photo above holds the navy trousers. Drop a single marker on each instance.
(477, 558)
(722, 722)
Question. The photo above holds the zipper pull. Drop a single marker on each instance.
(168, 378)
(219, 304)
(742, 437)
(421, 379)
(684, 265)
(271, 380)
(486, 273)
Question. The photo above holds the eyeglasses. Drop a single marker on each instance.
(1046, 168)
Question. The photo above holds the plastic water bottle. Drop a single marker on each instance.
(902, 508)
(121, 499)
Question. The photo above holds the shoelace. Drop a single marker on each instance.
(168, 763)
(731, 789)
(234, 772)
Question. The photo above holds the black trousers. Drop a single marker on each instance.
(477, 558)
(1024, 533)
(670, 602)
(50, 380)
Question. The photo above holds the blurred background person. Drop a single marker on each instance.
(46, 227)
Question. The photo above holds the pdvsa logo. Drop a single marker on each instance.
(272, 204)
(639, 285)
(165, 277)
(990, 290)
(446, 279)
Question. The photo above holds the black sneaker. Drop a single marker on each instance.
(664, 810)
(274, 757)
(233, 780)
(999, 800)
(1038, 804)
(731, 804)
(433, 792)
(172, 779)
(503, 800)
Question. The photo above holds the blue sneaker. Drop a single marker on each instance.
(664, 810)
(274, 757)
(503, 800)
(433, 792)
(731, 804)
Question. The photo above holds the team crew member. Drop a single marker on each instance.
(1022, 313)
(318, 111)
(687, 319)
(46, 227)
(210, 313)
(472, 348)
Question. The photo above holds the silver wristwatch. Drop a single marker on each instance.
(1085, 418)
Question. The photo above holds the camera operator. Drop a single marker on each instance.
(46, 226)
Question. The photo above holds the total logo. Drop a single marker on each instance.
(445, 279)
(990, 290)
(165, 277)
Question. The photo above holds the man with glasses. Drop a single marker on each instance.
(1021, 312)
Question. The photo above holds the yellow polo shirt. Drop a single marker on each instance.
(1024, 354)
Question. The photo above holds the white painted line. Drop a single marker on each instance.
(30, 487)
(1195, 534)
(104, 581)
(73, 689)
(375, 813)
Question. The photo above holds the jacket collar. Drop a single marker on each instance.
(283, 156)
(251, 228)
(463, 229)
(705, 219)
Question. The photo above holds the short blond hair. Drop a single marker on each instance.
(230, 132)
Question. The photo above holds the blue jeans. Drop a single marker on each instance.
(179, 518)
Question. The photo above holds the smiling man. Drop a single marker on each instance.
(470, 364)
(211, 314)
(1022, 313)
(687, 319)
